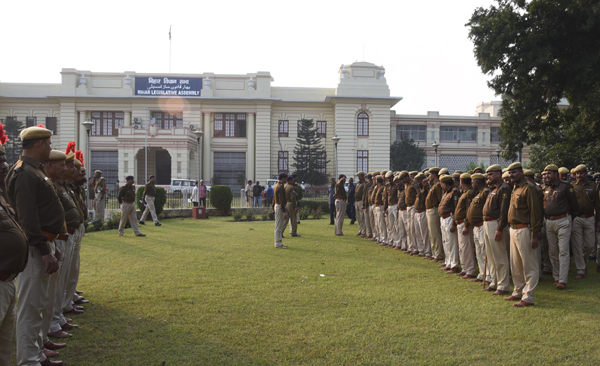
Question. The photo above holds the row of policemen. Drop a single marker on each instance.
(485, 227)
(42, 211)
(285, 207)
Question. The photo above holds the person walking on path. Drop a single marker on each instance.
(340, 204)
(281, 216)
(148, 198)
(126, 198)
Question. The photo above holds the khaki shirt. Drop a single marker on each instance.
(13, 242)
(435, 195)
(72, 213)
(410, 195)
(587, 198)
(100, 188)
(279, 196)
(560, 199)
(126, 193)
(525, 207)
(449, 201)
(421, 198)
(378, 196)
(392, 194)
(291, 195)
(340, 191)
(368, 191)
(80, 195)
(497, 203)
(149, 190)
(464, 202)
(401, 198)
(475, 210)
(359, 191)
(35, 200)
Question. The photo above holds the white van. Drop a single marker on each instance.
(180, 185)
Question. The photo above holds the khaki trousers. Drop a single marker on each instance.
(100, 205)
(279, 225)
(466, 250)
(479, 241)
(435, 233)
(524, 264)
(423, 233)
(293, 220)
(32, 292)
(128, 213)
(150, 209)
(382, 227)
(450, 241)
(48, 312)
(360, 217)
(368, 227)
(392, 224)
(374, 224)
(402, 234)
(558, 233)
(412, 238)
(65, 266)
(545, 262)
(340, 211)
(8, 320)
(73, 279)
(498, 259)
(583, 240)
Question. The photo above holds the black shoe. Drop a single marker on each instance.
(157, 224)
(592, 259)
(142, 223)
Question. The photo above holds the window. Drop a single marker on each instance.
(363, 124)
(30, 121)
(495, 134)
(362, 160)
(230, 125)
(108, 163)
(321, 162)
(458, 134)
(106, 123)
(284, 128)
(416, 133)
(166, 121)
(52, 124)
(321, 128)
(282, 164)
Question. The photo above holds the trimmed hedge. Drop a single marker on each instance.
(313, 205)
(159, 200)
(221, 198)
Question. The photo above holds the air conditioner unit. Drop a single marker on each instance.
(192, 127)
(137, 127)
(137, 120)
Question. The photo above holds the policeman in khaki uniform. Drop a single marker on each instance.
(402, 236)
(42, 218)
(358, 204)
(466, 248)
(291, 199)
(449, 236)
(421, 229)
(100, 190)
(379, 203)
(563, 174)
(14, 249)
(126, 198)
(475, 224)
(367, 207)
(560, 208)
(370, 189)
(583, 232)
(525, 220)
(148, 198)
(279, 210)
(410, 197)
(543, 254)
(340, 204)
(392, 209)
(434, 197)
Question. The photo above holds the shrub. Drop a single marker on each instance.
(159, 200)
(114, 219)
(220, 198)
(97, 224)
(313, 205)
(250, 215)
(264, 215)
(303, 212)
(317, 214)
(237, 215)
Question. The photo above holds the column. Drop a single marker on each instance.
(127, 119)
(206, 164)
(250, 157)
(83, 141)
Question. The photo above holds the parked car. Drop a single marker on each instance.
(179, 185)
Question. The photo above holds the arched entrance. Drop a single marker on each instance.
(159, 164)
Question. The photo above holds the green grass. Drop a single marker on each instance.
(215, 292)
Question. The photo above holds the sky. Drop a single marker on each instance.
(423, 45)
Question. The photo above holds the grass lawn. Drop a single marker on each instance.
(215, 292)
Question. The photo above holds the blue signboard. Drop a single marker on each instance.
(167, 86)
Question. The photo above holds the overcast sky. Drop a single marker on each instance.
(423, 45)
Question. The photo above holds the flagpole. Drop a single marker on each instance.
(169, 49)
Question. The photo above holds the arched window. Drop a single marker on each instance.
(363, 124)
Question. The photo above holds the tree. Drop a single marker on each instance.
(13, 147)
(310, 154)
(539, 53)
(473, 165)
(406, 155)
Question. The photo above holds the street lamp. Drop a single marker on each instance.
(335, 140)
(88, 129)
(498, 152)
(199, 135)
(435, 146)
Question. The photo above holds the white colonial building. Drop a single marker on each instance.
(249, 126)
